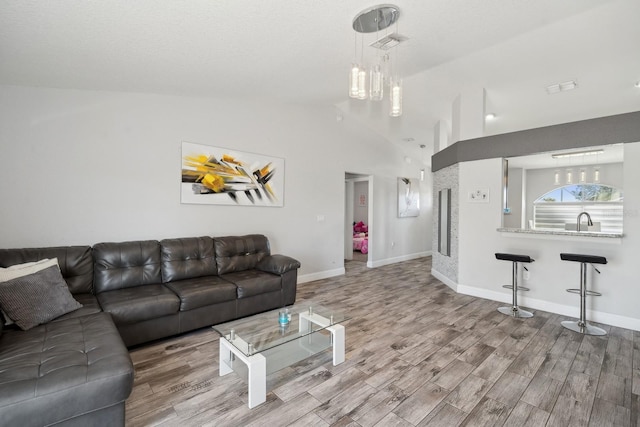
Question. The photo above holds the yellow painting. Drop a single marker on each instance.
(223, 176)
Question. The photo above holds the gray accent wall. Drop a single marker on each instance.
(621, 128)
(443, 179)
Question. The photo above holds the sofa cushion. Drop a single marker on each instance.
(89, 304)
(238, 253)
(126, 264)
(254, 282)
(24, 269)
(202, 291)
(75, 262)
(62, 369)
(187, 258)
(36, 298)
(132, 305)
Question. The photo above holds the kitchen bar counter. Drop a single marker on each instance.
(562, 234)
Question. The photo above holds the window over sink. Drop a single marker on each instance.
(561, 206)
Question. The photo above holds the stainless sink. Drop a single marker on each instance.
(571, 226)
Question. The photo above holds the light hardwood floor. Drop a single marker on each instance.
(418, 354)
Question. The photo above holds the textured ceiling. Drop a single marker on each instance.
(300, 52)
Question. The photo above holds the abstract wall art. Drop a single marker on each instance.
(222, 176)
(408, 197)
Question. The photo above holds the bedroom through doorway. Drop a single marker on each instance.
(357, 217)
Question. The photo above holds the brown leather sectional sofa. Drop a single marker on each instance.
(76, 370)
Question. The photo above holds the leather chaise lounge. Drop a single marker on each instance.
(76, 369)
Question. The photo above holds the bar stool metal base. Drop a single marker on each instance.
(581, 326)
(515, 312)
(586, 329)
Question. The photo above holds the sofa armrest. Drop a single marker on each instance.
(278, 264)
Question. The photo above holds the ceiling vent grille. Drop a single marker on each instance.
(561, 87)
(389, 41)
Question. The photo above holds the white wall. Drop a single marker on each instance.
(81, 167)
(482, 275)
(361, 212)
(393, 239)
(478, 221)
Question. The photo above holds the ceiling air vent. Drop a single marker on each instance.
(389, 41)
(561, 87)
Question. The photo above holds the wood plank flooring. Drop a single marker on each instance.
(418, 354)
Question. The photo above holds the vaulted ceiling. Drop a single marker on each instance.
(300, 52)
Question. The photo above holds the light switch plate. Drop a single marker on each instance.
(480, 195)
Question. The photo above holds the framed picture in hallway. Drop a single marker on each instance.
(223, 176)
(408, 197)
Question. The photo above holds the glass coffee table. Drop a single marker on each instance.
(264, 343)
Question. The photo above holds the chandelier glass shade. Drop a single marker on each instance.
(362, 83)
(395, 97)
(376, 83)
(358, 82)
(353, 80)
(369, 82)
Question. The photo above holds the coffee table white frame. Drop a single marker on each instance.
(257, 363)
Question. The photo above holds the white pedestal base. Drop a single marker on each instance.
(257, 366)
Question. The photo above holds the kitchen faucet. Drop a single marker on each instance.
(589, 222)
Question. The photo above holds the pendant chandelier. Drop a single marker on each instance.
(369, 82)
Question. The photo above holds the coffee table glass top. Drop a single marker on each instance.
(263, 331)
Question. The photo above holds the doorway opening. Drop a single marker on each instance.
(358, 218)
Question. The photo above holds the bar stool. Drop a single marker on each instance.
(581, 326)
(514, 310)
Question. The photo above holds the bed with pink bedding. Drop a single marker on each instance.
(361, 237)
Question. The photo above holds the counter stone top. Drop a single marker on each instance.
(561, 232)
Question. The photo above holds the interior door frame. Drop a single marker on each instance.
(349, 213)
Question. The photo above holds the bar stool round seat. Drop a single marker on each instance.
(514, 310)
(581, 326)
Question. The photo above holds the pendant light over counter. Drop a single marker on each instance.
(583, 176)
(369, 82)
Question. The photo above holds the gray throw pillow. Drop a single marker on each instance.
(37, 298)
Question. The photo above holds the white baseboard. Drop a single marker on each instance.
(387, 261)
(444, 279)
(565, 310)
(320, 275)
